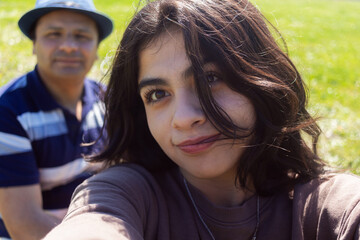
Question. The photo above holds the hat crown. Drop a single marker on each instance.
(87, 7)
(77, 4)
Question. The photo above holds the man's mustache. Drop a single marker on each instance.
(62, 54)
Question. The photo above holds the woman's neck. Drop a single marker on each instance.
(221, 192)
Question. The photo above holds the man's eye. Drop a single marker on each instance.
(82, 37)
(54, 34)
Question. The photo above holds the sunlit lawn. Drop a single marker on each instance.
(323, 38)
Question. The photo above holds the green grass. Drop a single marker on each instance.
(323, 38)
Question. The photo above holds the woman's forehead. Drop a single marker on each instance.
(163, 37)
(163, 57)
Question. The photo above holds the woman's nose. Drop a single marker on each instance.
(187, 111)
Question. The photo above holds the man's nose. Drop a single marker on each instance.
(69, 44)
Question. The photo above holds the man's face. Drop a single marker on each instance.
(65, 45)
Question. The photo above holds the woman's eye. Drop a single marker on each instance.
(155, 95)
(213, 78)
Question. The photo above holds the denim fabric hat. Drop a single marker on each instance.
(86, 7)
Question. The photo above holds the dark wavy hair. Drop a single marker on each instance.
(234, 36)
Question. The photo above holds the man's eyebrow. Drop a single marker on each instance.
(83, 29)
(60, 28)
(51, 27)
(151, 82)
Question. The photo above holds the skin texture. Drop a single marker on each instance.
(66, 47)
(177, 121)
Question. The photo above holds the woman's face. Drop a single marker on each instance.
(175, 117)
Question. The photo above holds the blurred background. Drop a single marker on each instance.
(323, 40)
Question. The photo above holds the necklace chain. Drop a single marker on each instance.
(206, 226)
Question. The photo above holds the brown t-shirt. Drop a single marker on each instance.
(128, 202)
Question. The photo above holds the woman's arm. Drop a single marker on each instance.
(113, 204)
(91, 226)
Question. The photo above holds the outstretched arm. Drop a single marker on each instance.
(114, 204)
(91, 226)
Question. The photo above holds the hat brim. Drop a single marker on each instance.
(26, 22)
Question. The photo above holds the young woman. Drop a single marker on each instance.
(205, 118)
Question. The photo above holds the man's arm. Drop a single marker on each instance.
(21, 210)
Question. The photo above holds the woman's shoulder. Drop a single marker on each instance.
(328, 206)
(133, 175)
(112, 204)
(119, 183)
(338, 185)
(121, 190)
(331, 190)
(121, 174)
(129, 179)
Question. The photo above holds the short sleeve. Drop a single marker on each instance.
(327, 208)
(17, 161)
(350, 222)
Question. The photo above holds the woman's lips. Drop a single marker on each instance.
(198, 145)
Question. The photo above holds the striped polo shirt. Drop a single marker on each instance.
(42, 143)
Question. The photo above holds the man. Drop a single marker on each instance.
(47, 115)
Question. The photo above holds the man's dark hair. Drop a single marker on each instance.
(32, 31)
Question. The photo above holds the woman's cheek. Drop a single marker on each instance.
(238, 107)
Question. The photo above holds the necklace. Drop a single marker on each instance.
(206, 226)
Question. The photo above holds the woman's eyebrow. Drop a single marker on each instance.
(151, 82)
(188, 72)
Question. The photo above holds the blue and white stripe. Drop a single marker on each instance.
(13, 144)
(37, 145)
(40, 125)
(14, 84)
(94, 118)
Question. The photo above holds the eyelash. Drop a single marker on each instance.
(148, 93)
(213, 74)
(82, 37)
(53, 34)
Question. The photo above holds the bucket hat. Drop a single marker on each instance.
(86, 7)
